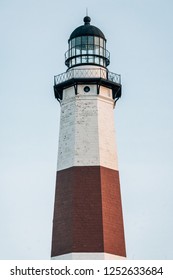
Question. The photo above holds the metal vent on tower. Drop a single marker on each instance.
(87, 45)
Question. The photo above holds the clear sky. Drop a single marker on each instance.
(34, 37)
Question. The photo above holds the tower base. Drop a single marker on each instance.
(88, 256)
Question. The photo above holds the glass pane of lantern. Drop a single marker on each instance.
(78, 45)
(73, 42)
(73, 61)
(101, 42)
(73, 52)
(84, 42)
(96, 49)
(91, 51)
(96, 41)
(101, 51)
(90, 44)
(78, 60)
(78, 41)
(90, 40)
(96, 60)
(84, 49)
(101, 61)
(91, 59)
(84, 59)
(78, 50)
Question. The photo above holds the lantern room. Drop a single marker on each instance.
(87, 46)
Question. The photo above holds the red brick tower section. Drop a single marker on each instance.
(88, 219)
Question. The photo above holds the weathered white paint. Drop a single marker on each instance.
(106, 132)
(87, 136)
(66, 135)
(88, 256)
(68, 93)
(106, 92)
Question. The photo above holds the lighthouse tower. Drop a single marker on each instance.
(88, 220)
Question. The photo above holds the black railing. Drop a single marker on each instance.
(73, 52)
(87, 73)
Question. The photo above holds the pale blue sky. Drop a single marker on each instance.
(34, 37)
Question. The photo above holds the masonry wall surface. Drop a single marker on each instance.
(88, 215)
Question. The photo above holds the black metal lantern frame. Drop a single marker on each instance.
(87, 50)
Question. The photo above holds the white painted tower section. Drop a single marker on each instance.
(88, 256)
(87, 134)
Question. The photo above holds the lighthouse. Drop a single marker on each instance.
(88, 218)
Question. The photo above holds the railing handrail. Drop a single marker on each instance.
(105, 53)
(87, 73)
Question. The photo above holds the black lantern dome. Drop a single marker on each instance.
(86, 30)
(87, 45)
